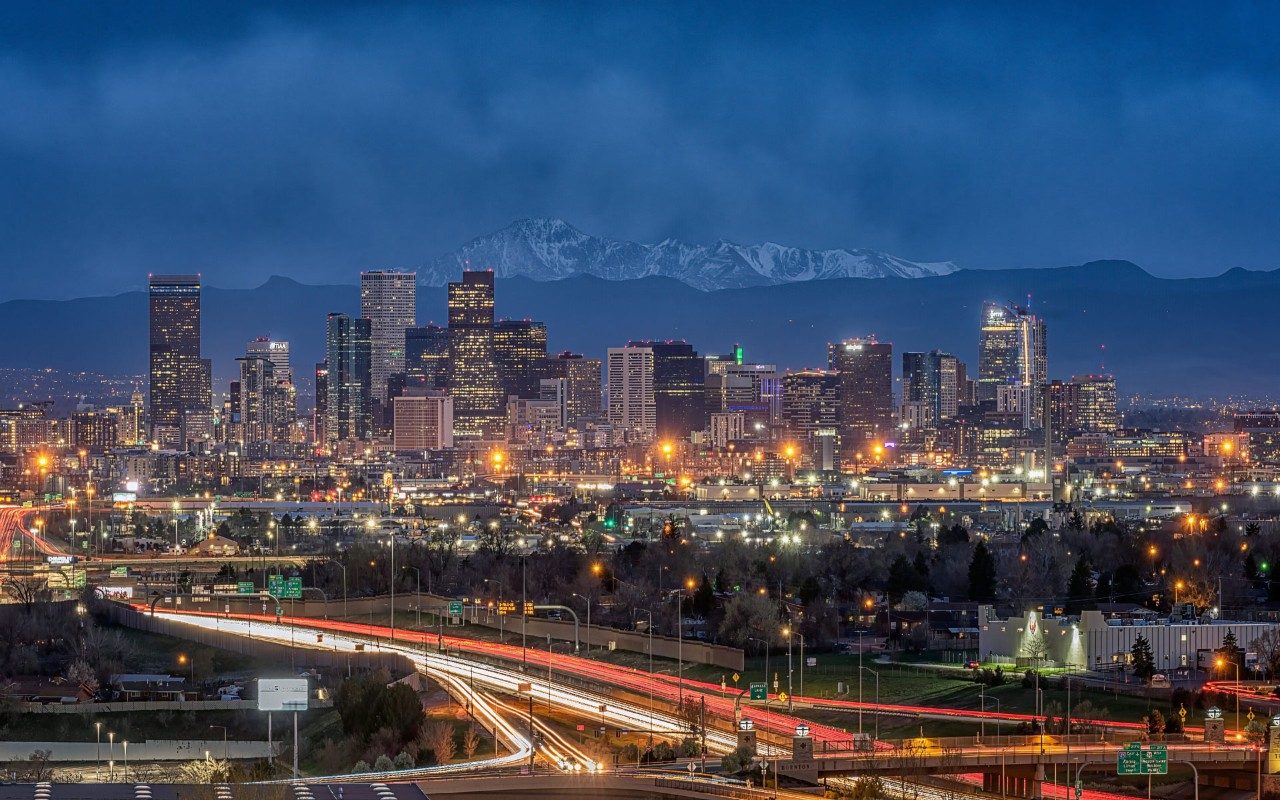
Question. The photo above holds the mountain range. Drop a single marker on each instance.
(552, 249)
(1192, 337)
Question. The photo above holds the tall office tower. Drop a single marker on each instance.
(479, 408)
(930, 382)
(389, 300)
(426, 357)
(753, 389)
(257, 391)
(1012, 349)
(520, 351)
(630, 389)
(321, 412)
(583, 391)
(679, 390)
(180, 379)
(1095, 404)
(275, 351)
(422, 420)
(865, 367)
(349, 407)
(810, 413)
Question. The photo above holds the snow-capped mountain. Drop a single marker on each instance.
(551, 249)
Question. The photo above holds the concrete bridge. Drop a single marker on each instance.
(1016, 765)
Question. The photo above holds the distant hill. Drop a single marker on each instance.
(1197, 336)
(552, 249)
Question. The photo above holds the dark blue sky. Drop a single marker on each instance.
(315, 139)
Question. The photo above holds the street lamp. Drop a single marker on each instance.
(224, 739)
(1221, 663)
(588, 602)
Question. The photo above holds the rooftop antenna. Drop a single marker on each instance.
(1102, 363)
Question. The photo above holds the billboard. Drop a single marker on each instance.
(282, 694)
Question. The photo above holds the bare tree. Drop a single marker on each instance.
(471, 742)
(438, 738)
(1267, 647)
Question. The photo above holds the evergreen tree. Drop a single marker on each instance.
(1080, 587)
(903, 578)
(1143, 661)
(982, 574)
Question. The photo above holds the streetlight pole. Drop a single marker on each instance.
(224, 739)
(97, 768)
(111, 758)
(875, 675)
(650, 613)
(588, 602)
(418, 601)
(393, 587)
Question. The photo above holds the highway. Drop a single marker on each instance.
(489, 687)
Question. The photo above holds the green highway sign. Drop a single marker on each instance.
(244, 587)
(455, 608)
(1136, 761)
(759, 691)
(284, 588)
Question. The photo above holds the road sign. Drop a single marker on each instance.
(782, 697)
(736, 677)
(455, 609)
(285, 588)
(245, 587)
(759, 692)
(1136, 761)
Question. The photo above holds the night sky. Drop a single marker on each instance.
(314, 140)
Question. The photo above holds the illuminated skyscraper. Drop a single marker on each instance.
(520, 351)
(582, 384)
(1012, 349)
(275, 351)
(179, 377)
(865, 367)
(320, 417)
(349, 406)
(930, 387)
(679, 389)
(478, 403)
(426, 357)
(631, 394)
(389, 301)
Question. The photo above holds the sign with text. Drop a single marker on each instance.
(282, 694)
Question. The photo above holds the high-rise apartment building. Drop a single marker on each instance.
(389, 301)
(349, 407)
(679, 389)
(865, 367)
(520, 351)
(583, 390)
(257, 400)
(179, 377)
(810, 413)
(1095, 404)
(426, 357)
(422, 420)
(1012, 349)
(478, 405)
(630, 390)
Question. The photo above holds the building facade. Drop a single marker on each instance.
(180, 379)
(389, 301)
(349, 406)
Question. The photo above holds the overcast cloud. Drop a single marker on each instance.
(314, 140)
